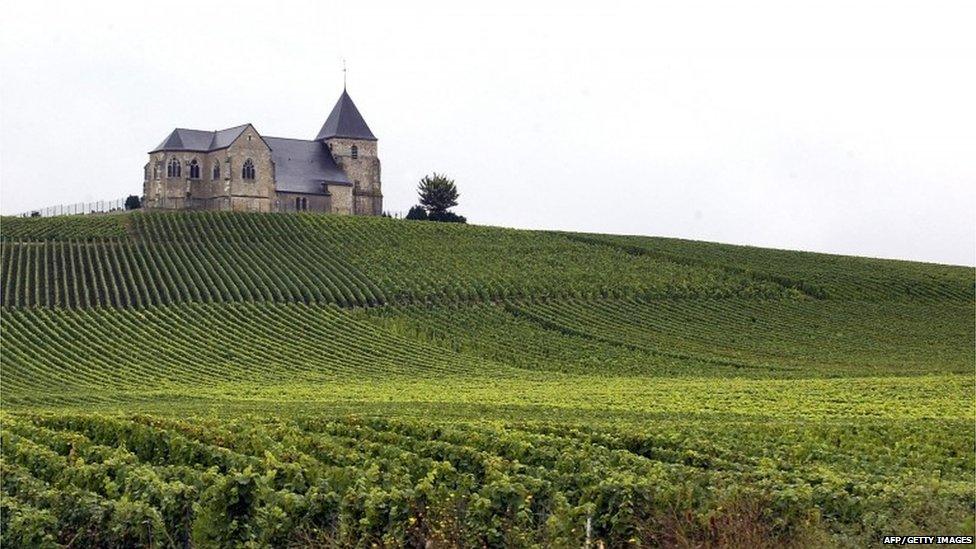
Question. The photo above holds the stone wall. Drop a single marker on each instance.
(341, 199)
(229, 191)
(286, 202)
(251, 195)
(363, 171)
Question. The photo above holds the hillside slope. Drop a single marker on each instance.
(397, 382)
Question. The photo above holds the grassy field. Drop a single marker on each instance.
(218, 379)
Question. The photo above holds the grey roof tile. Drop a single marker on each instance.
(303, 166)
(182, 139)
(345, 121)
(223, 138)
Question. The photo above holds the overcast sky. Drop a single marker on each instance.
(845, 127)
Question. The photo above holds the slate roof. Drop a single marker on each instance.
(182, 139)
(345, 121)
(303, 166)
(223, 138)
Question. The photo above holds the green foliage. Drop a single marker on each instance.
(821, 276)
(251, 380)
(447, 217)
(450, 263)
(700, 337)
(173, 258)
(133, 202)
(437, 193)
(417, 213)
(396, 482)
(64, 227)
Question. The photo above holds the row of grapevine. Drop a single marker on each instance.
(442, 262)
(715, 337)
(822, 276)
(65, 227)
(56, 352)
(222, 257)
(165, 267)
(495, 332)
(351, 482)
(60, 352)
(778, 336)
(144, 259)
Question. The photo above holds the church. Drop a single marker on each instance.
(239, 169)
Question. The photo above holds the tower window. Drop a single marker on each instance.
(216, 171)
(247, 172)
(173, 169)
(354, 151)
(194, 169)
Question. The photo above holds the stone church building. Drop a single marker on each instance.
(241, 170)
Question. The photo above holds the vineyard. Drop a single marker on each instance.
(268, 380)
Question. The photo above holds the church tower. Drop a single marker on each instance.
(353, 146)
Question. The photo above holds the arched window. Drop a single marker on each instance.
(298, 203)
(216, 171)
(304, 203)
(173, 168)
(354, 151)
(247, 172)
(194, 169)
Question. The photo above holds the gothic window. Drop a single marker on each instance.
(354, 151)
(216, 171)
(194, 169)
(304, 203)
(298, 203)
(173, 169)
(247, 172)
(156, 170)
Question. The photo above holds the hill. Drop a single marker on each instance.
(217, 378)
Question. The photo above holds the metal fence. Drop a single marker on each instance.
(118, 205)
(78, 208)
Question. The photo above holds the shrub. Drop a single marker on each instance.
(417, 213)
(447, 217)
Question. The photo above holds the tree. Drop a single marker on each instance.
(437, 193)
(417, 213)
(133, 202)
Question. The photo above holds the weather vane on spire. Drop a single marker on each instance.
(343, 74)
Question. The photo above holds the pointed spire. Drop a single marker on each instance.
(345, 121)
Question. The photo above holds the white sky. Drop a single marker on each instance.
(846, 127)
